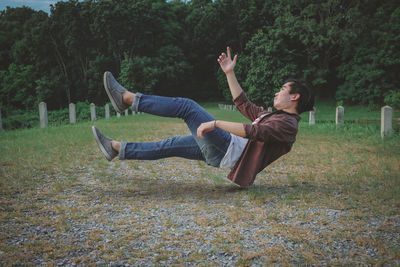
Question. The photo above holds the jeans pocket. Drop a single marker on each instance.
(212, 154)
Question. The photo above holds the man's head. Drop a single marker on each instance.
(294, 96)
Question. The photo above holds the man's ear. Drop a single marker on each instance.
(295, 97)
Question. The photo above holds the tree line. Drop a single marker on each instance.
(348, 50)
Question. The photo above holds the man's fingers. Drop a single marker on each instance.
(221, 57)
(199, 132)
(204, 128)
(234, 59)
(229, 51)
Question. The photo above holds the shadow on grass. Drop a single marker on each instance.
(142, 189)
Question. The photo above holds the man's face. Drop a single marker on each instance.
(282, 98)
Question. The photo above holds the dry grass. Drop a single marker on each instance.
(335, 200)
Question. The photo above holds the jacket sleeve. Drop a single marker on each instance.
(246, 107)
(277, 130)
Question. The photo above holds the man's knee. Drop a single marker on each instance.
(212, 154)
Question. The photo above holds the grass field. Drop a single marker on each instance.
(333, 200)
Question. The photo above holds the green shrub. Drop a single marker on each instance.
(58, 117)
(23, 120)
(82, 111)
(392, 98)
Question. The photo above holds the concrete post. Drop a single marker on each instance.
(339, 115)
(44, 121)
(72, 113)
(118, 115)
(126, 112)
(92, 112)
(269, 109)
(311, 121)
(386, 121)
(107, 108)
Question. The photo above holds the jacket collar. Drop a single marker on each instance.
(296, 116)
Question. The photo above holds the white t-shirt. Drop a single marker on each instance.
(235, 149)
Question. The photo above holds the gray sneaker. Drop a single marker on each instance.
(104, 143)
(114, 91)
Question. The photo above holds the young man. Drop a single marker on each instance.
(244, 148)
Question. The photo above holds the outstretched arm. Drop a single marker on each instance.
(227, 66)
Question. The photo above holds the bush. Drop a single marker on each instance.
(58, 117)
(392, 98)
(82, 109)
(25, 120)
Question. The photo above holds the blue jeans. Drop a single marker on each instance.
(211, 149)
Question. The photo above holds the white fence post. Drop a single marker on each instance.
(269, 109)
(126, 112)
(339, 115)
(44, 122)
(386, 121)
(107, 111)
(118, 115)
(311, 121)
(72, 113)
(92, 112)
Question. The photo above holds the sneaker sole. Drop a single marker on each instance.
(109, 94)
(108, 157)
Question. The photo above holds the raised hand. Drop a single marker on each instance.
(226, 62)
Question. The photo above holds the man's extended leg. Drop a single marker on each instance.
(215, 143)
(178, 146)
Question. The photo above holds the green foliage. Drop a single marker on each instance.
(22, 120)
(29, 119)
(392, 99)
(139, 74)
(18, 86)
(371, 61)
(346, 50)
(83, 112)
(263, 81)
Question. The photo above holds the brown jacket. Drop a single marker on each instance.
(269, 139)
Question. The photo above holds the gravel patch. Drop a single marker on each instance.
(175, 212)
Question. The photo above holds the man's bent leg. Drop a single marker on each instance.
(215, 143)
(179, 146)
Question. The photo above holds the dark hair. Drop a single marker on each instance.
(306, 100)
